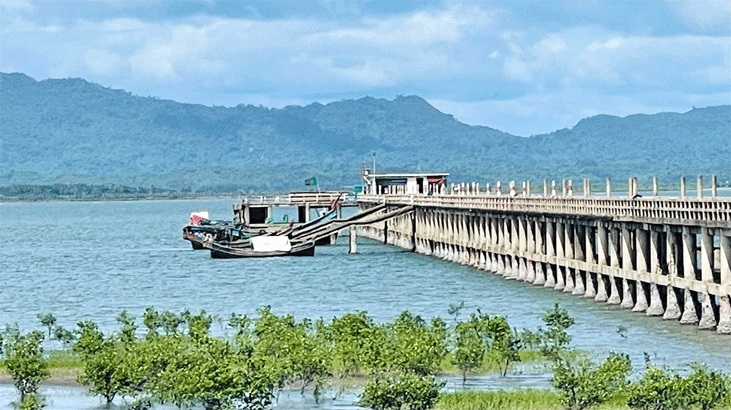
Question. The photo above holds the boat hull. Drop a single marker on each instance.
(222, 252)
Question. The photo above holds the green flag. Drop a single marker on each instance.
(311, 181)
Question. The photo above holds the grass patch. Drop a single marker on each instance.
(491, 365)
(64, 359)
(524, 399)
(529, 399)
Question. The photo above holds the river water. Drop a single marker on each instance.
(90, 260)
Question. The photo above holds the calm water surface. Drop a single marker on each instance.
(90, 260)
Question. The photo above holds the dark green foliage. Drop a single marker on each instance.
(32, 402)
(707, 388)
(583, 384)
(415, 346)
(357, 343)
(25, 363)
(63, 335)
(401, 392)
(469, 349)
(184, 368)
(664, 389)
(295, 352)
(483, 335)
(47, 320)
(555, 339)
(658, 389)
(58, 131)
(177, 361)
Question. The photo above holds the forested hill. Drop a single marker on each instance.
(73, 131)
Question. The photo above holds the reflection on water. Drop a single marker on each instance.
(90, 260)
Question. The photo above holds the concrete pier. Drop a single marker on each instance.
(658, 256)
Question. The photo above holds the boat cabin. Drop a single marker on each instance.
(406, 184)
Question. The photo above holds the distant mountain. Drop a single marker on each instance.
(73, 131)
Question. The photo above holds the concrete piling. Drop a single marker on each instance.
(644, 257)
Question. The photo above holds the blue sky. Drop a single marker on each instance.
(524, 67)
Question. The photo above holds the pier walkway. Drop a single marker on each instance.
(662, 256)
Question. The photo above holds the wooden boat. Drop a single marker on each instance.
(198, 234)
(220, 251)
(201, 230)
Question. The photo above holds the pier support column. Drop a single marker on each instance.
(602, 245)
(689, 254)
(353, 240)
(579, 245)
(724, 316)
(708, 317)
(540, 275)
(569, 252)
(515, 269)
(550, 276)
(689, 317)
(655, 308)
(589, 252)
(551, 253)
(642, 253)
(514, 246)
(614, 248)
(560, 255)
(500, 265)
(642, 250)
(628, 300)
(522, 248)
(641, 304)
(672, 310)
(614, 297)
(522, 270)
(626, 246)
(590, 285)
(601, 288)
(413, 232)
(706, 255)
(530, 275)
(579, 287)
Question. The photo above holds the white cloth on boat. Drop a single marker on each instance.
(271, 244)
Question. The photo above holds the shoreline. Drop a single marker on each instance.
(115, 198)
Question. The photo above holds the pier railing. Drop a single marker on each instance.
(714, 211)
(300, 198)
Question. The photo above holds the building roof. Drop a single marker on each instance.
(428, 174)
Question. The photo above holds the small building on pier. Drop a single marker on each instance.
(409, 184)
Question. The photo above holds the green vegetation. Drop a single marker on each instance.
(24, 361)
(481, 336)
(500, 399)
(71, 131)
(171, 358)
(404, 391)
(665, 389)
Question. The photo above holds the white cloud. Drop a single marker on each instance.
(527, 78)
(604, 60)
(703, 14)
(16, 5)
(540, 113)
(103, 62)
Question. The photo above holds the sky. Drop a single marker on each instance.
(525, 67)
